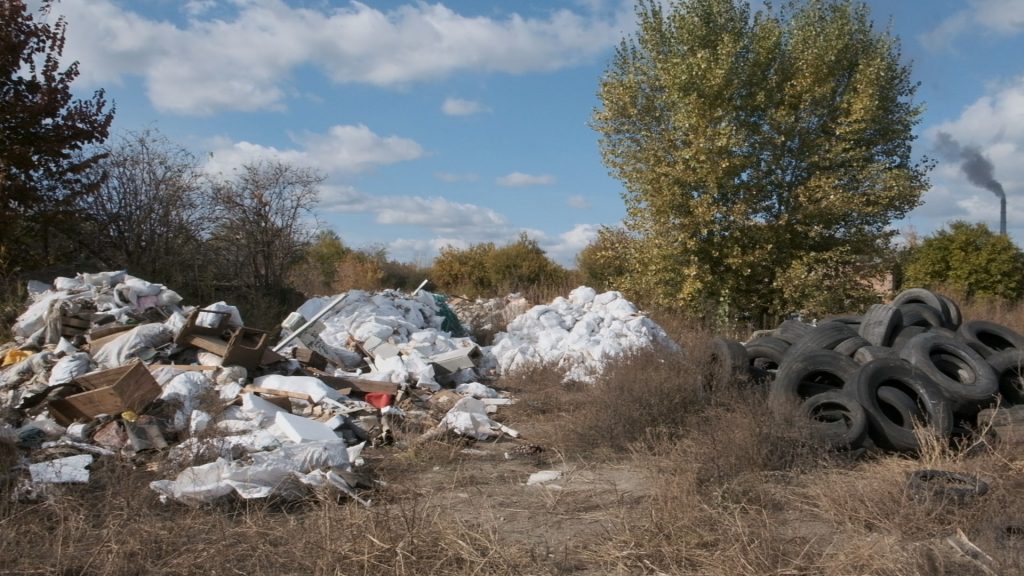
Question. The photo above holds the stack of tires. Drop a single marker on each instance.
(911, 362)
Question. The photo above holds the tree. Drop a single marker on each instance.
(969, 259)
(44, 135)
(756, 147)
(151, 214)
(263, 223)
(605, 261)
(485, 270)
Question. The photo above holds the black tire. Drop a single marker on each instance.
(822, 337)
(811, 373)
(898, 406)
(946, 486)
(881, 323)
(792, 330)
(932, 408)
(962, 374)
(1009, 368)
(956, 318)
(764, 355)
(987, 338)
(837, 418)
(905, 335)
(870, 353)
(924, 296)
(850, 346)
(924, 315)
(727, 365)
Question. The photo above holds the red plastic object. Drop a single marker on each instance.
(378, 399)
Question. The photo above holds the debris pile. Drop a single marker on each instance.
(872, 379)
(108, 364)
(580, 334)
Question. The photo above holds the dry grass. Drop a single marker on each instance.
(663, 475)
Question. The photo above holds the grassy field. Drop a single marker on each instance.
(660, 475)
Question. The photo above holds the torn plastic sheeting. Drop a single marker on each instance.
(543, 477)
(68, 470)
(476, 390)
(268, 473)
(129, 345)
(210, 320)
(70, 367)
(468, 417)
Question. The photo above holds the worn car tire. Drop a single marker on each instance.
(792, 330)
(764, 355)
(867, 354)
(881, 323)
(1009, 368)
(924, 296)
(837, 418)
(924, 315)
(904, 336)
(987, 338)
(960, 372)
(945, 486)
(956, 317)
(824, 336)
(932, 408)
(850, 346)
(811, 373)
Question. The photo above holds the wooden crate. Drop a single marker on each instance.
(113, 391)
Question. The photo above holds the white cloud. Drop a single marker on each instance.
(452, 177)
(519, 179)
(439, 215)
(577, 201)
(994, 125)
(568, 244)
(199, 7)
(243, 61)
(341, 150)
(1001, 16)
(460, 107)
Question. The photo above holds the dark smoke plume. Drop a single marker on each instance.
(976, 167)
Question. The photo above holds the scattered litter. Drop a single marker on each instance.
(67, 470)
(543, 477)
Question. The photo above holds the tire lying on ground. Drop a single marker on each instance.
(987, 338)
(960, 372)
(866, 354)
(837, 418)
(1009, 368)
(881, 323)
(850, 346)
(904, 336)
(947, 486)
(811, 373)
(923, 315)
(887, 424)
(764, 355)
(728, 362)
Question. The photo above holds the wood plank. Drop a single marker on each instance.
(275, 392)
(357, 384)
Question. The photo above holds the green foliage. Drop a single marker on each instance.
(605, 261)
(44, 167)
(756, 149)
(969, 259)
(483, 269)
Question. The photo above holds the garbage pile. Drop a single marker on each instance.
(109, 364)
(488, 315)
(873, 378)
(579, 334)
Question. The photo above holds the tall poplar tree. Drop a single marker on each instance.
(763, 154)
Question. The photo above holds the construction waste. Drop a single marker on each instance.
(108, 365)
(890, 378)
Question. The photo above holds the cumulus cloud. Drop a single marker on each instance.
(577, 201)
(438, 214)
(994, 127)
(243, 60)
(343, 149)
(460, 107)
(564, 248)
(1001, 16)
(519, 179)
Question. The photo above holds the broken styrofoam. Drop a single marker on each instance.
(314, 387)
(468, 417)
(68, 470)
(299, 429)
(579, 334)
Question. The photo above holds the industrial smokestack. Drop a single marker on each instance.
(976, 167)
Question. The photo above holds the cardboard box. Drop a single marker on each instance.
(113, 391)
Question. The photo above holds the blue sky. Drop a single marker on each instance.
(467, 121)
